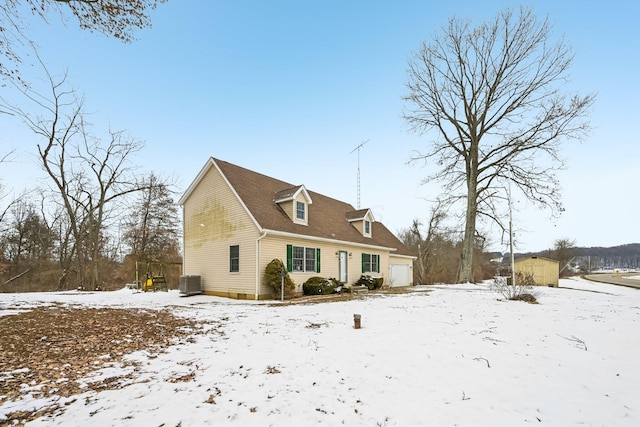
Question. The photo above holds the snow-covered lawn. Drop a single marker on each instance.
(456, 355)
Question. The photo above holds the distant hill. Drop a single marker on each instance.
(623, 256)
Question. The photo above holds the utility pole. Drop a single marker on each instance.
(513, 264)
(358, 150)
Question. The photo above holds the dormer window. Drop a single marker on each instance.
(300, 210)
(294, 202)
(361, 220)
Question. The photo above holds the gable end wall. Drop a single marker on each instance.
(214, 219)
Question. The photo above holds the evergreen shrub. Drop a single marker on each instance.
(273, 277)
(320, 286)
(372, 283)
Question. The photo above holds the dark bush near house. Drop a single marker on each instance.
(273, 277)
(320, 286)
(370, 282)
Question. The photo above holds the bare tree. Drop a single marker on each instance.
(108, 178)
(493, 95)
(564, 251)
(152, 225)
(412, 239)
(114, 18)
(88, 174)
(28, 239)
(151, 232)
(437, 247)
(3, 210)
(65, 253)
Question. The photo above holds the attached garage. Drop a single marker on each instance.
(399, 275)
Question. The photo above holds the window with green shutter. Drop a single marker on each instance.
(375, 263)
(370, 263)
(303, 259)
(289, 258)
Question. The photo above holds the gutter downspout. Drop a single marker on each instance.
(184, 250)
(262, 236)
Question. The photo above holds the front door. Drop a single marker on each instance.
(344, 276)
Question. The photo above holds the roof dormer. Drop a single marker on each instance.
(295, 203)
(362, 220)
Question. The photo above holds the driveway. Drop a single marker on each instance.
(616, 279)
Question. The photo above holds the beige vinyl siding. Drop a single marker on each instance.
(360, 225)
(276, 247)
(214, 220)
(294, 214)
(272, 247)
(384, 262)
(288, 208)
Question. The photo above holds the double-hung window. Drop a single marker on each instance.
(302, 259)
(310, 259)
(234, 258)
(370, 263)
(367, 227)
(300, 211)
(298, 258)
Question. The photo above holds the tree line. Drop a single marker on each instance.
(98, 212)
(586, 259)
(45, 245)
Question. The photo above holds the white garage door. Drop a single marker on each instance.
(400, 275)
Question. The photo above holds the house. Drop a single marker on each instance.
(236, 221)
(545, 271)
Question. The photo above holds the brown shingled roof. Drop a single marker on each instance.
(327, 217)
(354, 215)
(290, 193)
(287, 193)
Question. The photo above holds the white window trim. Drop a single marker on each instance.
(304, 259)
(230, 271)
(304, 210)
(295, 218)
(369, 269)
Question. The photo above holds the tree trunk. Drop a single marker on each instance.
(466, 264)
(468, 244)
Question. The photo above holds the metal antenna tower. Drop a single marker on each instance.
(358, 150)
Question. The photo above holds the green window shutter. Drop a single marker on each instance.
(318, 260)
(363, 264)
(289, 258)
(378, 264)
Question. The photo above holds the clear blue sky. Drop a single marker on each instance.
(290, 88)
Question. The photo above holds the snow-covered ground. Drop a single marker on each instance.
(458, 355)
